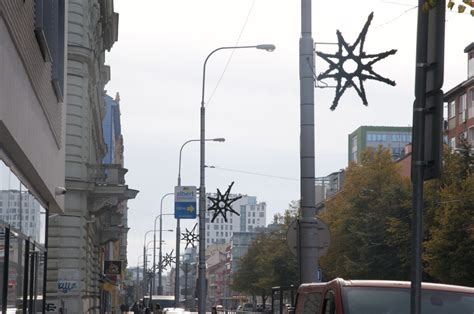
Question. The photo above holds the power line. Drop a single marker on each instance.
(231, 54)
(253, 173)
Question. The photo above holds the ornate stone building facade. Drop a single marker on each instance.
(89, 232)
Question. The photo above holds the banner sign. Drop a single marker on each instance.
(185, 202)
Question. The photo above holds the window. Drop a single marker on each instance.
(452, 143)
(216, 227)
(329, 303)
(312, 302)
(253, 220)
(462, 108)
(261, 215)
(49, 31)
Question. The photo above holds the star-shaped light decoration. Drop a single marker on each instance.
(190, 237)
(348, 64)
(222, 203)
(167, 260)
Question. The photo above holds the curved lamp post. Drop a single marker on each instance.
(178, 230)
(160, 287)
(202, 187)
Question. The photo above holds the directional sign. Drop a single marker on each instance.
(185, 202)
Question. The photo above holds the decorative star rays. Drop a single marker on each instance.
(222, 203)
(168, 259)
(190, 236)
(346, 58)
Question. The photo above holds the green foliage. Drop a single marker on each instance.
(449, 248)
(370, 221)
(367, 220)
(268, 263)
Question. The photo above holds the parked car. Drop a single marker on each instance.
(341, 296)
(248, 307)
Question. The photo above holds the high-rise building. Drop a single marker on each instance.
(252, 216)
(460, 101)
(21, 210)
(389, 137)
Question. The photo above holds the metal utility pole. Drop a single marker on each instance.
(427, 125)
(307, 252)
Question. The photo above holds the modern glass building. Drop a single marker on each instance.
(389, 137)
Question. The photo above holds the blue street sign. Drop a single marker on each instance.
(185, 202)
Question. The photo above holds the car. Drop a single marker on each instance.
(341, 296)
(248, 307)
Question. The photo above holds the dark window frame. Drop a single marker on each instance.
(50, 34)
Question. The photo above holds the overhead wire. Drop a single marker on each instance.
(254, 173)
(231, 53)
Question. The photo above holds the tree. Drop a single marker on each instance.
(268, 263)
(449, 249)
(365, 220)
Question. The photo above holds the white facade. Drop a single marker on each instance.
(252, 216)
(23, 214)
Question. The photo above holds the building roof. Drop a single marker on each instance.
(469, 47)
(453, 92)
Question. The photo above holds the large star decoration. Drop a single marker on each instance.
(190, 236)
(345, 76)
(167, 260)
(222, 203)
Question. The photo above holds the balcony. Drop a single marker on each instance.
(108, 189)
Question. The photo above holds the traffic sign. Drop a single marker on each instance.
(185, 202)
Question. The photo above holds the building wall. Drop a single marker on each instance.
(77, 247)
(393, 138)
(460, 100)
(252, 216)
(21, 210)
(31, 114)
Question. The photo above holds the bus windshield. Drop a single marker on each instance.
(384, 300)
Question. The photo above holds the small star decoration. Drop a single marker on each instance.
(190, 236)
(222, 203)
(167, 260)
(344, 76)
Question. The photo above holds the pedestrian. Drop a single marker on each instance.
(157, 309)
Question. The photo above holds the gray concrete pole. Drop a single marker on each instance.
(176, 280)
(160, 287)
(202, 187)
(202, 216)
(308, 263)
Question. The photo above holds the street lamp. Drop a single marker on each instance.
(154, 245)
(176, 280)
(144, 249)
(202, 187)
(160, 288)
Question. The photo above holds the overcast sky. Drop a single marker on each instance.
(157, 69)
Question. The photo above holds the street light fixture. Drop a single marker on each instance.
(154, 243)
(178, 239)
(202, 187)
(144, 249)
(160, 287)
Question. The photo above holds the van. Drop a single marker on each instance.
(341, 296)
